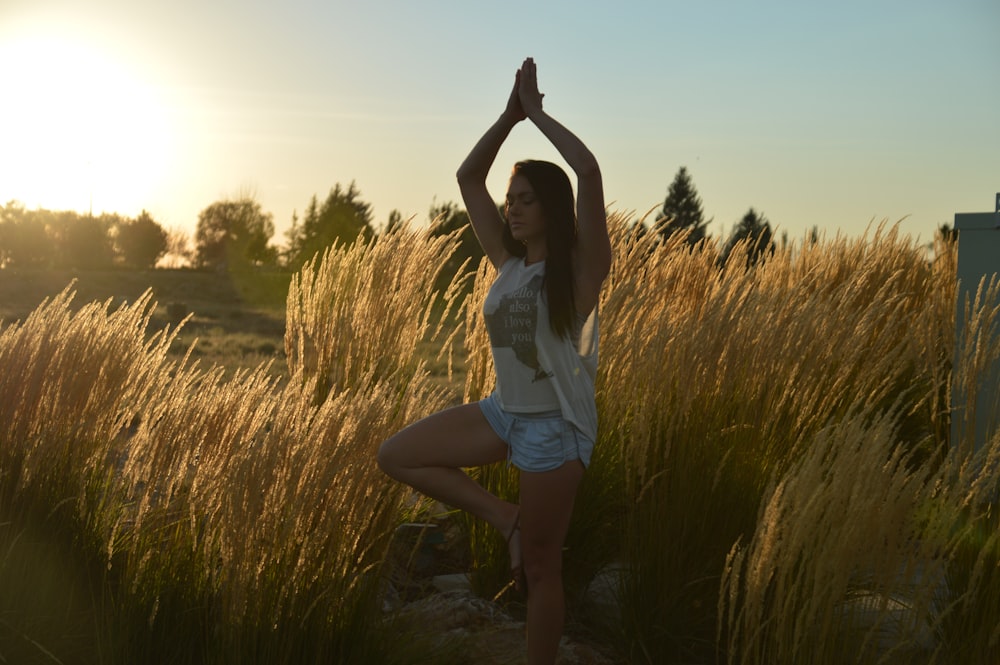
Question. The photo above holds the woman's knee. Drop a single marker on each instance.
(541, 560)
(388, 456)
(401, 451)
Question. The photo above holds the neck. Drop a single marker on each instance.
(535, 252)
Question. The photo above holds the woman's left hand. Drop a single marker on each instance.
(531, 99)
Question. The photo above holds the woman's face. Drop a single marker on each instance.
(524, 212)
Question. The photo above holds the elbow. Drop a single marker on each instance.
(468, 175)
(587, 168)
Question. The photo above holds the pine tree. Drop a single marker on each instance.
(682, 210)
(342, 217)
(756, 231)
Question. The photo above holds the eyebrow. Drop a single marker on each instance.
(519, 195)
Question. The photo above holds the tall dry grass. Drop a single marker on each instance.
(68, 384)
(864, 554)
(364, 309)
(714, 383)
(231, 520)
(773, 478)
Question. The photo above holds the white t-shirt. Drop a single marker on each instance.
(536, 369)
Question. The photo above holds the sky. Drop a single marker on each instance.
(827, 115)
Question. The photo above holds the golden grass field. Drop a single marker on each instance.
(774, 480)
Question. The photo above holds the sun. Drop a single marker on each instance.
(79, 129)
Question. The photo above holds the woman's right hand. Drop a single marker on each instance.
(514, 111)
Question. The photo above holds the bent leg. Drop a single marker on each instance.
(546, 508)
(430, 454)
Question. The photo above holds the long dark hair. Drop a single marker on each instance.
(555, 194)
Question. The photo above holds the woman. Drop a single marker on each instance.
(541, 315)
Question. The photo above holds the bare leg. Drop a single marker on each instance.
(430, 454)
(546, 507)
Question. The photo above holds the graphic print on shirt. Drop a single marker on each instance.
(513, 325)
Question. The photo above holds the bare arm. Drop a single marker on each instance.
(486, 219)
(592, 260)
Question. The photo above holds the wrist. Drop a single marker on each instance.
(534, 112)
(510, 118)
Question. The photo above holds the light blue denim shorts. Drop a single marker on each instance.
(537, 441)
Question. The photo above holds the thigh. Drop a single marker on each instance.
(456, 437)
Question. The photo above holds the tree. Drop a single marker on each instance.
(24, 241)
(682, 210)
(755, 231)
(55, 239)
(82, 241)
(234, 235)
(342, 217)
(447, 218)
(141, 242)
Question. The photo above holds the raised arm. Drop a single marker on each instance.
(592, 260)
(486, 219)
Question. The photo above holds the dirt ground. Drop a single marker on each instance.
(490, 636)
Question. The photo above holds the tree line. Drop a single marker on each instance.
(236, 233)
(66, 239)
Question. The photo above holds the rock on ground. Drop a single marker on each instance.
(490, 635)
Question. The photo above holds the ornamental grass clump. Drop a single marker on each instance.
(830, 575)
(229, 520)
(865, 552)
(279, 519)
(72, 385)
(273, 496)
(71, 380)
(715, 380)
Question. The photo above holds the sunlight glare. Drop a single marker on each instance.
(79, 130)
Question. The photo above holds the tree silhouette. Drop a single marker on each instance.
(751, 235)
(682, 210)
(234, 235)
(342, 217)
(141, 242)
(82, 241)
(24, 242)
